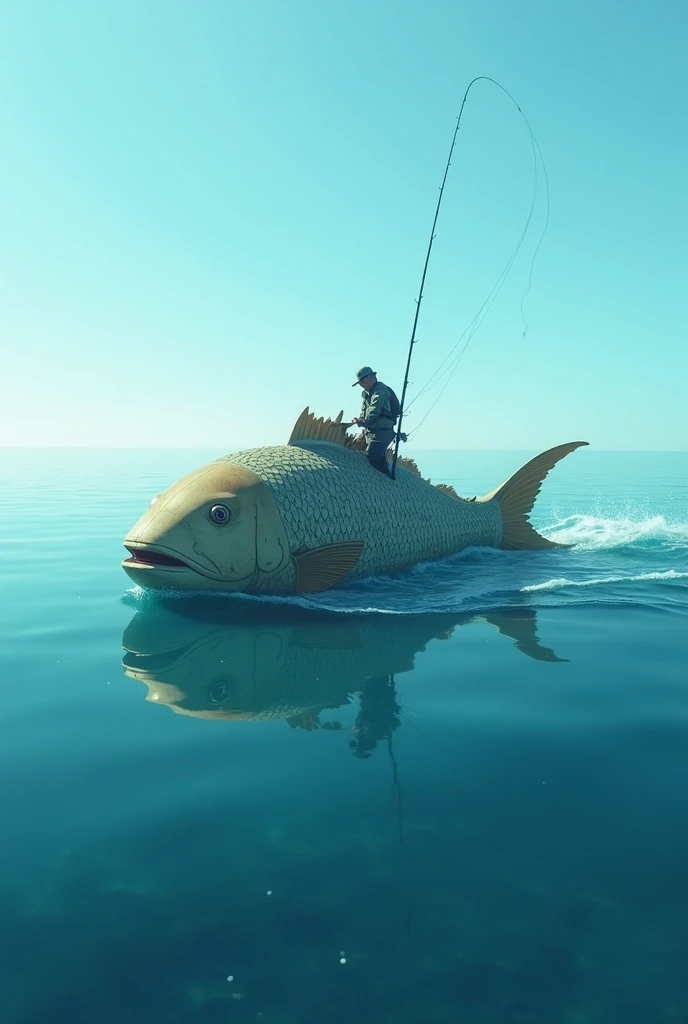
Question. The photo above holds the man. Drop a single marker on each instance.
(378, 415)
(378, 716)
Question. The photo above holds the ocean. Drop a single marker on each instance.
(454, 796)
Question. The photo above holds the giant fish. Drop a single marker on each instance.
(304, 517)
(250, 664)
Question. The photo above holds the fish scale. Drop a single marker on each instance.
(295, 681)
(326, 494)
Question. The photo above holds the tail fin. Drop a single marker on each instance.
(521, 625)
(517, 496)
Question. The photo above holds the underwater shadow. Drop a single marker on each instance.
(238, 661)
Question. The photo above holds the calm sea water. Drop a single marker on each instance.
(456, 796)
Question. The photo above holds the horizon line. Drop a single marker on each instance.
(198, 447)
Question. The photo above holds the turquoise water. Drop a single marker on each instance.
(469, 783)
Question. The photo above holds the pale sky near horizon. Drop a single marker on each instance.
(213, 212)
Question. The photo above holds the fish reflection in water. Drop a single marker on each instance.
(241, 662)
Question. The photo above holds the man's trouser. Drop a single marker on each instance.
(378, 443)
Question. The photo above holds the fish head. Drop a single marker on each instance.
(205, 670)
(218, 528)
(237, 670)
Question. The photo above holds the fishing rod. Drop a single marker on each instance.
(399, 436)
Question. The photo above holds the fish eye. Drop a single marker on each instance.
(219, 689)
(220, 514)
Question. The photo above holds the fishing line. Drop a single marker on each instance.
(487, 305)
(396, 790)
(475, 325)
(491, 297)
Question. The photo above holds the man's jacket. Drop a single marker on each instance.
(376, 411)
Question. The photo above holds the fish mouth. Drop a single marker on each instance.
(148, 664)
(145, 556)
(149, 668)
(158, 567)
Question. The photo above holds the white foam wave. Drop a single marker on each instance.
(596, 533)
(557, 584)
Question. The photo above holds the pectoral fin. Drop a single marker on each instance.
(307, 720)
(321, 568)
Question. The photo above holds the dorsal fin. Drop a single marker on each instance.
(412, 467)
(309, 427)
(409, 464)
(448, 489)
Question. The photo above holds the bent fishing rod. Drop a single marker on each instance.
(399, 436)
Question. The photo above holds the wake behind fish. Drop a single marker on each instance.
(558, 584)
(597, 533)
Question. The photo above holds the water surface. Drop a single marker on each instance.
(468, 783)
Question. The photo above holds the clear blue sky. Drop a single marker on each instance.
(213, 212)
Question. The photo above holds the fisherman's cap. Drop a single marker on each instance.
(364, 371)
